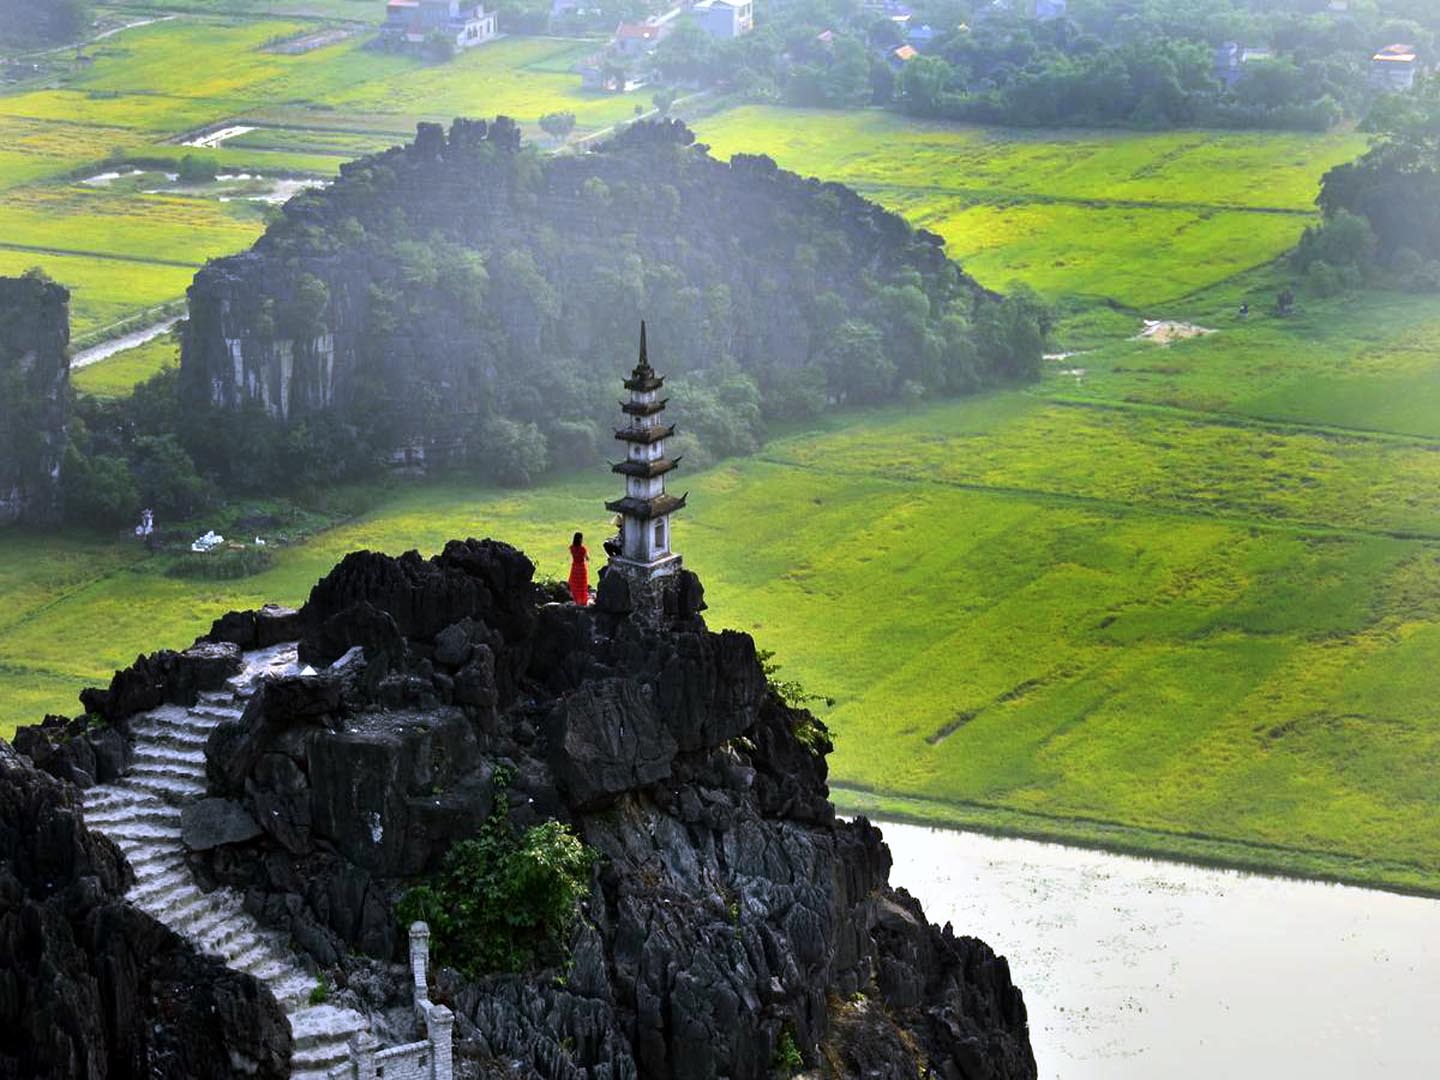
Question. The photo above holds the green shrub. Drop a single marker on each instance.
(788, 1060)
(321, 993)
(504, 901)
(789, 691)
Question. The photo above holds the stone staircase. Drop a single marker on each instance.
(141, 813)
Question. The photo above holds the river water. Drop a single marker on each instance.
(1134, 968)
(107, 349)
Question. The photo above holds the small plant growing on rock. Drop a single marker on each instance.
(504, 901)
(788, 1060)
(321, 993)
(789, 690)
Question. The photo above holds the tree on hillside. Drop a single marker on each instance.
(558, 125)
(1395, 185)
(1012, 334)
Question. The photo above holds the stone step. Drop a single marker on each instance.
(167, 786)
(160, 887)
(319, 1059)
(174, 735)
(206, 924)
(174, 764)
(159, 753)
(256, 956)
(213, 714)
(147, 862)
(226, 934)
(114, 822)
(148, 773)
(319, 1024)
(155, 820)
(293, 990)
(182, 909)
(117, 799)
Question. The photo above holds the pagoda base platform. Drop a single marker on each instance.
(650, 592)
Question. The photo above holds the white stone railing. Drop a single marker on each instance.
(429, 1059)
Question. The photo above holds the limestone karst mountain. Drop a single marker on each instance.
(466, 277)
(729, 921)
(34, 397)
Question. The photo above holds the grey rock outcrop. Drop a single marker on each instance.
(729, 910)
(91, 987)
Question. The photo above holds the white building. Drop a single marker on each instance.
(1394, 68)
(725, 18)
(467, 24)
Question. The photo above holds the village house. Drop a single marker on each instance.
(725, 18)
(901, 56)
(417, 21)
(1231, 58)
(1394, 68)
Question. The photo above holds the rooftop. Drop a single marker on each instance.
(1395, 54)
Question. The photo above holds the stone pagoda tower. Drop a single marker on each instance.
(645, 559)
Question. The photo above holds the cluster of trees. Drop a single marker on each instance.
(478, 301)
(1382, 212)
(32, 23)
(1143, 63)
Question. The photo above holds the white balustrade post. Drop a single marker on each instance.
(362, 1055)
(420, 964)
(439, 1025)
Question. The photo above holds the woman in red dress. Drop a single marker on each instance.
(579, 572)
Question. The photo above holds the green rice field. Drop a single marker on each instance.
(141, 96)
(117, 375)
(1181, 599)
(1056, 612)
(1077, 215)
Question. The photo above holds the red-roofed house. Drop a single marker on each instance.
(640, 38)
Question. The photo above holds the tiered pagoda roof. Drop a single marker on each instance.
(647, 509)
(644, 408)
(645, 470)
(644, 435)
(643, 379)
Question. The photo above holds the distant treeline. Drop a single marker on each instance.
(466, 300)
(1139, 63)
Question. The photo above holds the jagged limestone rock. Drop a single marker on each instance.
(729, 908)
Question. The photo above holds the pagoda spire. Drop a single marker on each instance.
(645, 556)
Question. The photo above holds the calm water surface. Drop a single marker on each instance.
(1133, 968)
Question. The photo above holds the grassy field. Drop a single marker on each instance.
(1180, 599)
(141, 95)
(1079, 215)
(103, 291)
(116, 376)
(1052, 612)
(1075, 214)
